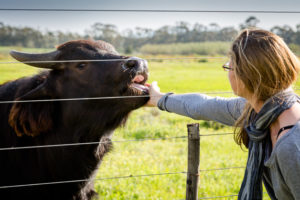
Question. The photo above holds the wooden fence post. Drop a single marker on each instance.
(193, 162)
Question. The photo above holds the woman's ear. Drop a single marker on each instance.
(32, 118)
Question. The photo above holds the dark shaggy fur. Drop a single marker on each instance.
(63, 122)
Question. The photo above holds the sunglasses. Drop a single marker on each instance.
(227, 67)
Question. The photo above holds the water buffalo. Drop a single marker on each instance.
(64, 122)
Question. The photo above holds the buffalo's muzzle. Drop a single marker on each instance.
(140, 65)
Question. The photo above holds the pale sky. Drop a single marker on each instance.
(79, 21)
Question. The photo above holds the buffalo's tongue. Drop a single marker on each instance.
(138, 78)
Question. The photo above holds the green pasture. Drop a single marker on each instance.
(134, 158)
(199, 48)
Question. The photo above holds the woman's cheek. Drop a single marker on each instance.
(232, 81)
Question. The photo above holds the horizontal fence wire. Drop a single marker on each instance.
(89, 143)
(220, 169)
(99, 142)
(110, 178)
(74, 99)
(215, 134)
(149, 10)
(95, 98)
(84, 180)
(103, 98)
(219, 197)
(114, 60)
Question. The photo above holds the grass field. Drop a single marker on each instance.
(169, 155)
(200, 48)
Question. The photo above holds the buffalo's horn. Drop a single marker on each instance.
(33, 59)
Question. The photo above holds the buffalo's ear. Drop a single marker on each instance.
(32, 118)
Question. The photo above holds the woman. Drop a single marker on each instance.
(266, 114)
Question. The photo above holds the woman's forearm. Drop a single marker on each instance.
(203, 107)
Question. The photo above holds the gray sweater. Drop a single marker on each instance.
(282, 166)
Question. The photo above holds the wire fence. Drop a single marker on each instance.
(118, 97)
(99, 142)
(89, 143)
(84, 180)
(117, 141)
(137, 140)
(115, 177)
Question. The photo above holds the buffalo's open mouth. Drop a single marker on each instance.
(138, 83)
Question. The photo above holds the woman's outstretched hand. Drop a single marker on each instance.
(155, 94)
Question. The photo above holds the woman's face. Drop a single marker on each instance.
(232, 80)
(236, 84)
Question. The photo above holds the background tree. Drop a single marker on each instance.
(250, 22)
(131, 40)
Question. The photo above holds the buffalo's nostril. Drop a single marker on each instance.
(131, 63)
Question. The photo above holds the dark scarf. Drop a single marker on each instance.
(258, 131)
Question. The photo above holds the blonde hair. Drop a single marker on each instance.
(265, 65)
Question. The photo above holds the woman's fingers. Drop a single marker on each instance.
(155, 94)
(155, 87)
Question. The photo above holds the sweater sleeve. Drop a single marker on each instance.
(203, 107)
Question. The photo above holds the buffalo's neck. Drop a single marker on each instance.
(90, 126)
(91, 123)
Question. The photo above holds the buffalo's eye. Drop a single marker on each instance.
(81, 66)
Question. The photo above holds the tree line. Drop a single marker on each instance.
(133, 39)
